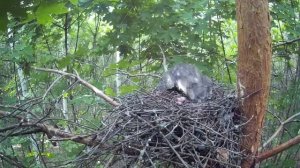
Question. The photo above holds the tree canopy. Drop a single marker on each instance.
(59, 59)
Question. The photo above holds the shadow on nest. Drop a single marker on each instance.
(155, 130)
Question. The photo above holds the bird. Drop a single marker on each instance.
(187, 79)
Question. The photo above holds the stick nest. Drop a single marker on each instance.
(155, 130)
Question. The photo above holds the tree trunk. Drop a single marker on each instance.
(254, 68)
(118, 77)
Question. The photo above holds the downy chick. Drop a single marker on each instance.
(187, 79)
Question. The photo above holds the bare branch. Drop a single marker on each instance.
(279, 129)
(164, 59)
(287, 42)
(265, 155)
(8, 114)
(171, 147)
(138, 75)
(22, 107)
(50, 87)
(83, 139)
(11, 160)
(83, 82)
(52, 131)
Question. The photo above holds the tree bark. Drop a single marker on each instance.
(254, 69)
(265, 155)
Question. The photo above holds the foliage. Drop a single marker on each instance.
(83, 36)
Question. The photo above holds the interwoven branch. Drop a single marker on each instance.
(153, 129)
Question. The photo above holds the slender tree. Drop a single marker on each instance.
(254, 64)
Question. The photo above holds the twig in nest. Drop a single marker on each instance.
(151, 129)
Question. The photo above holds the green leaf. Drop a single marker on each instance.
(85, 99)
(97, 84)
(31, 154)
(49, 155)
(46, 59)
(81, 51)
(289, 163)
(29, 18)
(71, 148)
(15, 8)
(62, 123)
(125, 89)
(46, 9)
(109, 91)
(109, 71)
(3, 21)
(64, 62)
(123, 64)
(40, 77)
(74, 2)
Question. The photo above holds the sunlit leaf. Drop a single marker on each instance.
(47, 9)
(125, 89)
(74, 2)
(109, 91)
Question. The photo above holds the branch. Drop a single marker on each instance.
(51, 131)
(98, 92)
(264, 155)
(171, 146)
(287, 42)
(50, 87)
(279, 129)
(83, 139)
(164, 59)
(11, 160)
(138, 75)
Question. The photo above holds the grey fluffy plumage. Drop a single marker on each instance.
(187, 79)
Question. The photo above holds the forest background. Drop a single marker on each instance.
(120, 47)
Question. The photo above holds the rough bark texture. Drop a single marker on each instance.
(254, 64)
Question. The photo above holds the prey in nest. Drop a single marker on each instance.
(157, 130)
